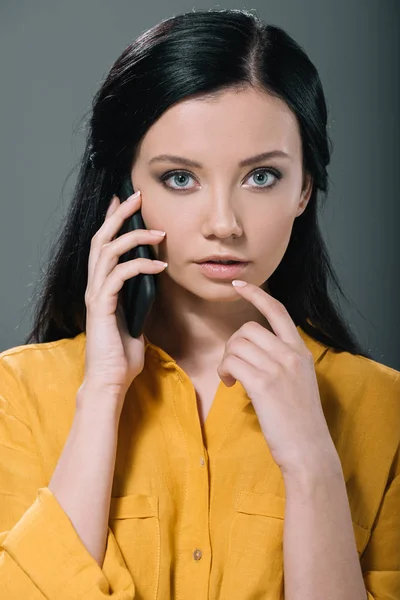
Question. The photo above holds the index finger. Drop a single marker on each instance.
(274, 311)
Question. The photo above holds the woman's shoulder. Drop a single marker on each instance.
(360, 373)
(29, 351)
(34, 376)
(361, 400)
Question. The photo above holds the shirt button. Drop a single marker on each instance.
(202, 461)
(197, 554)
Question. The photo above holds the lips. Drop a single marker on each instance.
(222, 262)
(219, 257)
(217, 270)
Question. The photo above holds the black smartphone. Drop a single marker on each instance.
(137, 293)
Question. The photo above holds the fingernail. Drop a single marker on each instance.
(160, 263)
(134, 196)
(239, 283)
(156, 232)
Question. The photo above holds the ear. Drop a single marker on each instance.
(305, 194)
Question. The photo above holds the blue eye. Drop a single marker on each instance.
(179, 175)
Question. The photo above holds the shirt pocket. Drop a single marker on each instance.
(134, 520)
(254, 566)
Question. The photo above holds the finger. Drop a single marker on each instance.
(252, 353)
(116, 219)
(110, 228)
(234, 368)
(111, 252)
(262, 339)
(121, 273)
(112, 206)
(275, 312)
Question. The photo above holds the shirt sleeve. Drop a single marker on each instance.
(41, 554)
(380, 561)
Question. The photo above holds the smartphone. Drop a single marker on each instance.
(137, 293)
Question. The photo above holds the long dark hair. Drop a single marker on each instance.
(197, 54)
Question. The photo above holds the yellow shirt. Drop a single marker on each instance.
(191, 517)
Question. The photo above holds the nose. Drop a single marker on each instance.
(222, 219)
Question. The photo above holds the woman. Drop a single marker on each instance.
(244, 446)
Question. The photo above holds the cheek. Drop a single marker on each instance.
(153, 215)
(273, 236)
(175, 243)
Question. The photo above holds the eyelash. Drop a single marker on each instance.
(277, 174)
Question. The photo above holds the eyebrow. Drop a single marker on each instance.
(244, 163)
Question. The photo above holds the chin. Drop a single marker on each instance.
(214, 291)
(209, 290)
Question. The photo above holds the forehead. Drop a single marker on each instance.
(235, 122)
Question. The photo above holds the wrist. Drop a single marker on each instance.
(314, 466)
(99, 403)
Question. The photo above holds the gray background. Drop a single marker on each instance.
(53, 57)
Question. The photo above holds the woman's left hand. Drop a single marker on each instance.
(277, 372)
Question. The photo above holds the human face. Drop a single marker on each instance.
(221, 207)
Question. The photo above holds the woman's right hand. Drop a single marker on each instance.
(113, 357)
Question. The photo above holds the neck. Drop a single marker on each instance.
(193, 330)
